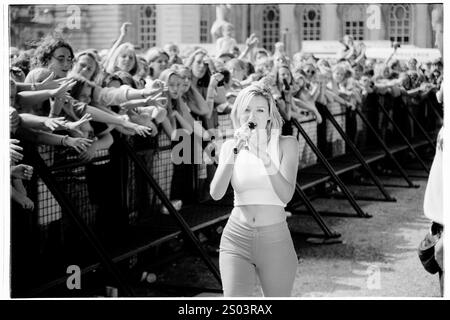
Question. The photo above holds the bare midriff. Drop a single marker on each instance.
(259, 215)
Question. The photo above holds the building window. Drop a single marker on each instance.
(353, 18)
(204, 31)
(271, 26)
(311, 23)
(147, 26)
(400, 23)
(207, 16)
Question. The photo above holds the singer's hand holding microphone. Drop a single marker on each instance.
(242, 136)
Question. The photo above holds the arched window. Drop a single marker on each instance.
(311, 23)
(271, 26)
(147, 26)
(354, 21)
(400, 23)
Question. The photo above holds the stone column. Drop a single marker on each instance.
(288, 28)
(178, 24)
(437, 26)
(330, 22)
(378, 32)
(422, 26)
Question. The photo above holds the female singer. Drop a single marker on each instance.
(262, 167)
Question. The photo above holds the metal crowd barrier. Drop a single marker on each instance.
(68, 223)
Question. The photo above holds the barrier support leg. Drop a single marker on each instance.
(386, 150)
(402, 135)
(173, 212)
(330, 170)
(46, 176)
(357, 154)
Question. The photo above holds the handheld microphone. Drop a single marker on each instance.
(243, 140)
(286, 85)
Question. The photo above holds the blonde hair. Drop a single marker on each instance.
(111, 67)
(243, 99)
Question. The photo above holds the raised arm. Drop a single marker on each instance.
(199, 106)
(123, 33)
(250, 43)
(224, 171)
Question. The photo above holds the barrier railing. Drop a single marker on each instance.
(59, 202)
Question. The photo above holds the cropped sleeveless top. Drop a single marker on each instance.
(250, 180)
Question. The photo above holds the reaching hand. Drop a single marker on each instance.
(22, 171)
(76, 124)
(137, 129)
(48, 83)
(89, 153)
(62, 89)
(79, 144)
(54, 123)
(252, 41)
(15, 150)
(157, 100)
(123, 28)
(149, 92)
(142, 130)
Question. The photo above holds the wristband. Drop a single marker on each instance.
(63, 140)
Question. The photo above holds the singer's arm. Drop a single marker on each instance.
(224, 171)
(283, 180)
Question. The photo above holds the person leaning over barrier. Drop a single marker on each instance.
(262, 168)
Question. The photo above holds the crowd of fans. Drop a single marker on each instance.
(85, 100)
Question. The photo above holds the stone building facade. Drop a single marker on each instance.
(98, 25)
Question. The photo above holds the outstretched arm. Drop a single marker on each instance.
(30, 98)
(311, 107)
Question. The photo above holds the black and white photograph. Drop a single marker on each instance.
(203, 150)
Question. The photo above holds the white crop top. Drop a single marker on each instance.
(250, 180)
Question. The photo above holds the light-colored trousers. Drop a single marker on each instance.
(265, 252)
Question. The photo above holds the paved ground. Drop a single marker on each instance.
(376, 258)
